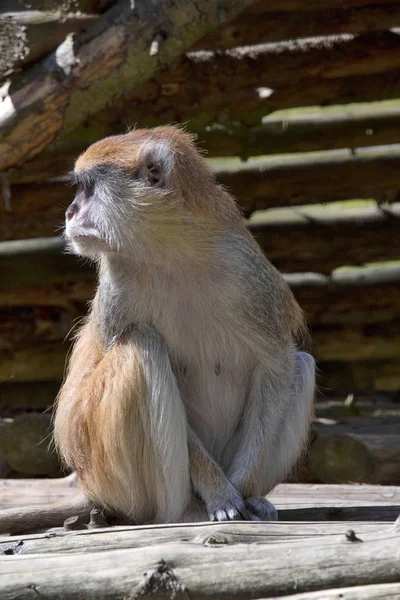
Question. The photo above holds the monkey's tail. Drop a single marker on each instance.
(30, 518)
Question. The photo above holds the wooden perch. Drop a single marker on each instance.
(259, 24)
(203, 570)
(101, 65)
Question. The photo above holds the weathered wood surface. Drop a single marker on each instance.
(228, 533)
(259, 24)
(378, 375)
(232, 108)
(39, 31)
(105, 63)
(197, 87)
(295, 502)
(356, 450)
(319, 239)
(203, 571)
(385, 591)
(378, 124)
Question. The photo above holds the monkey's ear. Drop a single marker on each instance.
(156, 164)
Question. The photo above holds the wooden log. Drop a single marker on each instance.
(354, 296)
(116, 55)
(294, 5)
(203, 82)
(20, 492)
(15, 395)
(33, 362)
(38, 32)
(377, 124)
(232, 108)
(311, 178)
(363, 451)
(357, 592)
(375, 375)
(24, 443)
(319, 239)
(205, 533)
(259, 24)
(46, 263)
(202, 571)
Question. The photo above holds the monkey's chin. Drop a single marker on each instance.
(89, 245)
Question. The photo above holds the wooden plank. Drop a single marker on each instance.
(385, 591)
(319, 239)
(202, 571)
(227, 108)
(357, 450)
(322, 533)
(382, 375)
(310, 178)
(290, 5)
(374, 124)
(197, 87)
(39, 31)
(259, 24)
(118, 53)
(20, 492)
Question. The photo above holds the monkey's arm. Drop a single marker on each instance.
(222, 499)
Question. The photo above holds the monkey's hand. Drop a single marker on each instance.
(226, 504)
(222, 499)
(260, 509)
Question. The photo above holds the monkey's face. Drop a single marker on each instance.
(119, 205)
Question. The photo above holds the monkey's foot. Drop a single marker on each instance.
(260, 509)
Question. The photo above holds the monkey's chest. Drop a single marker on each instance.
(214, 396)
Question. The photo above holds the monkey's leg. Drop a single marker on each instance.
(274, 430)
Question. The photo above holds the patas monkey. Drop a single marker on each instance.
(185, 397)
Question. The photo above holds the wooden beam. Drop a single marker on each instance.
(301, 179)
(229, 533)
(15, 493)
(319, 239)
(203, 570)
(232, 108)
(359, 376)
(294, 5)
(360, 451)
(117, 54)
(371, 124)
(38, 33)
(260, 25)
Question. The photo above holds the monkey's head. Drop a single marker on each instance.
(138, 191)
